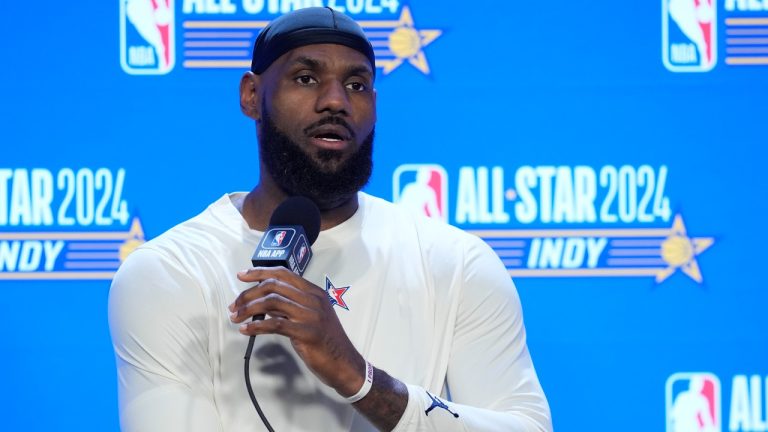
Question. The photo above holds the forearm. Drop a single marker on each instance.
(429, 413)
(385, 403)
(394, 406)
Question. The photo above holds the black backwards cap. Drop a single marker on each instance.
(315, 25)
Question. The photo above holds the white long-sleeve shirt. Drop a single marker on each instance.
(429, 304)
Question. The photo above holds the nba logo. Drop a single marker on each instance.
(277, 240)
(302, 252)
(693, 402)
(689, 35)
(147, 45)
(422, 188)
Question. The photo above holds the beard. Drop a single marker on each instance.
(326, 179)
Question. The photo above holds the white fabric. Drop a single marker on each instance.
(431, 305)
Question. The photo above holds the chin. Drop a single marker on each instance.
(329, 161)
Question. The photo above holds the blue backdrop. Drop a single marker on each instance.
(611, 153)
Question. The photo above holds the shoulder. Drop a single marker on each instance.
(380, 210)
(202, 231)
(167, 276)
(160, 269)
(179, 259)
(213, 232)
(437, 239)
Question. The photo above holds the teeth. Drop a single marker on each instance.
(329, 139)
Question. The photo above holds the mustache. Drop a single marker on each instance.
(330, 120)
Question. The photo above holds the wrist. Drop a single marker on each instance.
(366, 387)
(353, 379)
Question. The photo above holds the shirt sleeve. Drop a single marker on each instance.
(157, 318)
(491, 379)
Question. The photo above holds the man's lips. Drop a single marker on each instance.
(330, 136)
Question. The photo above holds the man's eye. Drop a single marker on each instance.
(305, 80)
(356, 86)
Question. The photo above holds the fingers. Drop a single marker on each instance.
(277, 280)
(258, 274)
(274, 305)
(287, 298)
(276, 297)
(276, 325)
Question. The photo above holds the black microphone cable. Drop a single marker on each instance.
(248, 352)
(302, 213)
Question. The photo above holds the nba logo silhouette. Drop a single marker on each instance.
(689, 35)
(693, 402)
(302, 252)
(422, 188)
(277, 240)
(147, 45)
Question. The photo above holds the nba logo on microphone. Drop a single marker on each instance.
(422, 188)
(302, 253)
(277, 240)
(693, 402)
(147, 45)
(689, 35)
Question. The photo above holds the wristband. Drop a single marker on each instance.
(367, 384)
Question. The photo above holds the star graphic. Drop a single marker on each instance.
(679, 251)
(134, 240)
(404, 42)
(335, 294)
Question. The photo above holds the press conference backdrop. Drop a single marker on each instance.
(611, 153)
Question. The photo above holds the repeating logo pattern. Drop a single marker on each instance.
(689, 33)
(64, 225)
(422, 189)
(564, 195)
(147, 36)
(693, 402)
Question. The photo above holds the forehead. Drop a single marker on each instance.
(325, 56)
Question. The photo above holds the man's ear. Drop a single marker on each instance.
(250, 95)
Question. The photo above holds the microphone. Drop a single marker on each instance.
(293, 228)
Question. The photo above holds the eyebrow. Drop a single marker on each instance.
(354, 69)
(308, 62)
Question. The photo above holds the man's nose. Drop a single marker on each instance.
(333, 98)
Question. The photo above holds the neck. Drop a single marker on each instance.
(257, 207)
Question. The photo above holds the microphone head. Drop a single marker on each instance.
(298, 210)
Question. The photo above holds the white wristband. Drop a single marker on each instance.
(367, 384)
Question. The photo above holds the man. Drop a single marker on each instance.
(393, 313)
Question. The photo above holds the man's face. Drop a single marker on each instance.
(316, 122)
